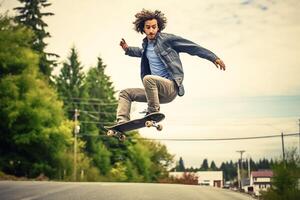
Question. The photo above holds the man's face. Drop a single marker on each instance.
(151, 28)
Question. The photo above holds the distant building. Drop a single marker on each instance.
(209, 178)
(260, 180)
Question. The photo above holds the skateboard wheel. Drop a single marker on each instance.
(110, 133)
(122, 138)
(159, 127)
(148, 124)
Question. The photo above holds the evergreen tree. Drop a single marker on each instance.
(101, 94)
(204, 166)
(31, 16)
(180, 167)
(223, 168)
(232, 170)
(253, 165)
(99, 84)
(229, 169)
(100, 107)
(271, 163)
(213, 166)
(70, 84)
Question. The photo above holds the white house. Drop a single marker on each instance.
(260, 180)
(209, 178)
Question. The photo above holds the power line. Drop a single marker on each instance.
(91, 103)
(93, 112)
(208, 139)
(78, 98)
(222, 139)
(88, 101)
(94, 122)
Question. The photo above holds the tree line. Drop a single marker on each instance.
(37, 112)
(229, 168)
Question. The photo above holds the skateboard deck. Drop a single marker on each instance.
(150, 120)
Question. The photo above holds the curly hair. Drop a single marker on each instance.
(145, 15)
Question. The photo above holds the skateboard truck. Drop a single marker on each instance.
(153, 123)
(119, 135)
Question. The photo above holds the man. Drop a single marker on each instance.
(161, 68)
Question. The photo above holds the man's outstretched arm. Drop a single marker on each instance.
(183, 45)
(131, 51)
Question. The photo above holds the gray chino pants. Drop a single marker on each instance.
(156, 90)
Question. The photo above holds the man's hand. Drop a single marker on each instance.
(220, 64)
(123, 44)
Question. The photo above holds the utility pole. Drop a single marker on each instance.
(249, 168)
(241, 171)
(299, 139)
(239, 175)
(76, 131)
(282, 142)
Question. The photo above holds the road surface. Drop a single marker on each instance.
(27, 190)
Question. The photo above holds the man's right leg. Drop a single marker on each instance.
(126, 97)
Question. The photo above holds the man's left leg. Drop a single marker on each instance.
(158, 90)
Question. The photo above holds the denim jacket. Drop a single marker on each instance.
(167, 47)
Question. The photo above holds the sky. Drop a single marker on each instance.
(257, 95)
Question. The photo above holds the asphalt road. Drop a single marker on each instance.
(26, 190)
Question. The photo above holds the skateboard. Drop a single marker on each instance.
(150, 120)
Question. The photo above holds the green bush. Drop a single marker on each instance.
(285, 183)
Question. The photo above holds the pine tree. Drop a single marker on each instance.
(70, 84)
(204, 166)
(101, 94)
(229, 169)
(31, 16)
(224, 168)
(180, 167)
(253, 165)
(100, 108)
(232, 170)
(213, 166)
